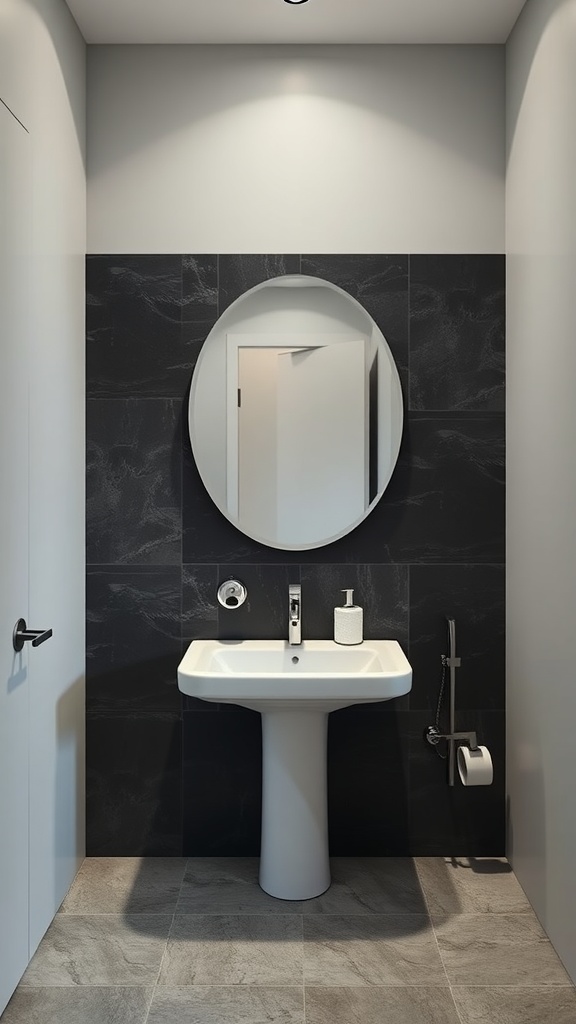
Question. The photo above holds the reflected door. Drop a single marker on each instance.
(301, 472)
(322, 451)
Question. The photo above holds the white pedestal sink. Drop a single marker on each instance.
(294, 688)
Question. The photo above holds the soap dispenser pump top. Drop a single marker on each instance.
(348, 622)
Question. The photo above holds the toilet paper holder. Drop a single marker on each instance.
(453, 738)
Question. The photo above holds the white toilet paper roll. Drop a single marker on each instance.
(475, 766)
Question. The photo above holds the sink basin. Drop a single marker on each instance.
(316, 674)
(294, 688)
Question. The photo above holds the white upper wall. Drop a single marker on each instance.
(541, 490)
(295, 149)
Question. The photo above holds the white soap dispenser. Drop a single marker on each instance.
(348, 622)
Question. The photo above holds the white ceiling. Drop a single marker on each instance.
(275, 21)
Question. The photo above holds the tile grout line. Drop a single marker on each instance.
(425, 898)
(155, 986)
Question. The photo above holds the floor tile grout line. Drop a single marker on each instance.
(540, 986)
(425, 898)
(155, 986)
(315, 915)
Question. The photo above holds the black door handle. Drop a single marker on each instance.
(21, 634)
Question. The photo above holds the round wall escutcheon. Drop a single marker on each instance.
(232, 594)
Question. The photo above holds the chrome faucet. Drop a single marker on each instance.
(295, 614)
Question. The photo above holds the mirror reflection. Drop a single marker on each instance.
(295, 413)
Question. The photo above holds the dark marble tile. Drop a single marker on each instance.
(368, 782)
(381, 591)
(199, 288)
(222, 780)
(238, 273)
(199, 304)
(133, 327)
(199, 602)
(446, 502)
(380, 284)
(132, 638)
(264, 614)
(133, 484)
(474, 595)
(460, 820)
(457, 323)
(133, 785)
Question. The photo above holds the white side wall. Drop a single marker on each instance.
(296, 149)
(541, 242)
(42, 79)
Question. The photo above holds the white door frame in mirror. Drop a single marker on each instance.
(342, 443)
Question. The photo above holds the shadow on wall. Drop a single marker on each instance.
(55, 22)
(70, 814)
(527, 40)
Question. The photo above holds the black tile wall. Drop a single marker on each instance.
(134, 784)
(133, 481)
(237, 274)
(170, 775)
(222, 783)
(133, 643)
(457, 332)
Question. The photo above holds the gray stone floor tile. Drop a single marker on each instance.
(380, 1005)
(234, 1004)
(471, 885)
(371, 950)
(234, 950)
(99, 950)
(228, 885)
(360, 885)
(130, 885)
(497, 949)
(78, 1006)
(366, 949)
(516, 1005)
(373, 885)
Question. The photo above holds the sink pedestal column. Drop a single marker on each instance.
(294, 862)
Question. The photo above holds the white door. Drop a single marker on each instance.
(14, 690)
(322, 450)
(257, 400)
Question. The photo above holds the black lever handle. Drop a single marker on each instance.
(22, 634)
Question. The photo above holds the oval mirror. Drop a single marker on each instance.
(295, 413)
